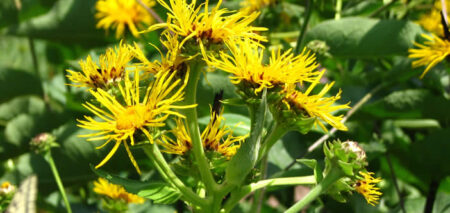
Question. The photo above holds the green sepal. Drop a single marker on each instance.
(159, 192)
(303, 125)
(347, 168)
(340, 190)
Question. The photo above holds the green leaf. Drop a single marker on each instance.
(159, 192)
(68, 21)
(23, 104)
(14, 83)
(312, 163)
(363, 37)
(347, 168)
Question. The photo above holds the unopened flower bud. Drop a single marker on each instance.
(352, 146)
(43, 142)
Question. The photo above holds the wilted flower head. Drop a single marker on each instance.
(433, 51)
(115, 192)
(110, 70)
(122, 14)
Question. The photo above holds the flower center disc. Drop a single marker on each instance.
(132, 118)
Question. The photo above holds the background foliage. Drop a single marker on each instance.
(404, 127)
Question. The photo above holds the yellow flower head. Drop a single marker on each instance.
(183, 142)
(111, 69)
(120, 121)
(6, 188)
(213, 26)
(430, 53)
(215, 137)
(115, 192)
(246, 64)
(249, 6)
(220, 137)
(316, 106)
(118, 14)
(366, 187)
(171, 61)
(432, 21)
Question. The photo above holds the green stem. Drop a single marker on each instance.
(153, 152)
(49, 158)
(240, 193)
(334, 175)
(259, 195)
(275, 133)
(309, 5)
(194, 132)
(337, 15)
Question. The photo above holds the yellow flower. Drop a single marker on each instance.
(213, 26)
(316, 106)
(115, 192)
(111, 69)
(6, 188)
(171, 61)
(366, 187)
(215, 137)
(432, 21)
(220, 137)
(246, 64)
(183, 142)
(249, 6)
(119, 122)
(430, 53)
(118, 14)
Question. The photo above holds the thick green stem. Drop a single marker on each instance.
(309, 5)
(259, 195)
(334, 175)
(338, 8)
(275, 133)
(153, 152)
(49, 158)
(194, 132)
(240, 193)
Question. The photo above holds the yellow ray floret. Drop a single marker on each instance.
(119, 14)
(214, 26)
(367, 187)
(111, 68)
(433, 51)
(183, 142)
(115, 192)
(316, 106)
(171, 61)
(120, 121)
(246, 64)
(220, 137)
(215, 137)
(250, 6)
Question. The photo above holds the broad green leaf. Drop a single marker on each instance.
(68, 21)
(15, 83)
(159, 192)
(22, 104)
(363, 37)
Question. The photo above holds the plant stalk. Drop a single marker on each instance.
(193, 129)
(334, 175)
(51, 162)
(309, 5)
(153, 152)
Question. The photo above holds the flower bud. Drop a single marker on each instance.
(43, 143)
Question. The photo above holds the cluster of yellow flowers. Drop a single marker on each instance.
(135, 97)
